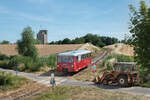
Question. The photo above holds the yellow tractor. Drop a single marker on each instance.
(123, 74)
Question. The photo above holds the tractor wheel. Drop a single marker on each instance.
(122, 81)
(105, 82)
(107, 79)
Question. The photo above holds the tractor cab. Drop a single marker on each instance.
(125, 67)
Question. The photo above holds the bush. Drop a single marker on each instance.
(146, 84)
(120, 58)
(24, 63)
(48, 61)
(5, 64)
(5, 79)
(3, 57)
(28, 64)
(109, 66)
(123, 58)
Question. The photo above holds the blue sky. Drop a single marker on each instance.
(64, 18)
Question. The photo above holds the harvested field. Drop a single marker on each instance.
(43, 50)
(8, 49)
(121, 48)
(46, 50)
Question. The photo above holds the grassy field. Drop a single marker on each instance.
(10, 82)
(13, 86)
(80, 93)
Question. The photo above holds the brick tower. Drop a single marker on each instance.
(42, 35)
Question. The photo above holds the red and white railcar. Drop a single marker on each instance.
(73, 61)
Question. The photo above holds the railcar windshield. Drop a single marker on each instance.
(65, 59)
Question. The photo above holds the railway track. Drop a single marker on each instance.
(24, 93)
(94, 61)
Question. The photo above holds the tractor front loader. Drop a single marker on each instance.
(123, 74)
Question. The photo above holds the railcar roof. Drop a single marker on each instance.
(74, 53)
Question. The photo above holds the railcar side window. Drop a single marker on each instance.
(89, 54)
(85, 56)
(76, 60)
(79, 58)
(82, 57)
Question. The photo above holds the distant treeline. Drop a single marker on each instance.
(5, 42)
(97, 40)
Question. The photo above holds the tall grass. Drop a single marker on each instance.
(59, 93)
(9, 81)
(28, 64)
(48, 61)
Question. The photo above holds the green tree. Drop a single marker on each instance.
(140, 29)
(78, 41)
(94, 39)
(37, 41)
(5, 42)
(26, 46)
(66, 41)
(89, 38)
